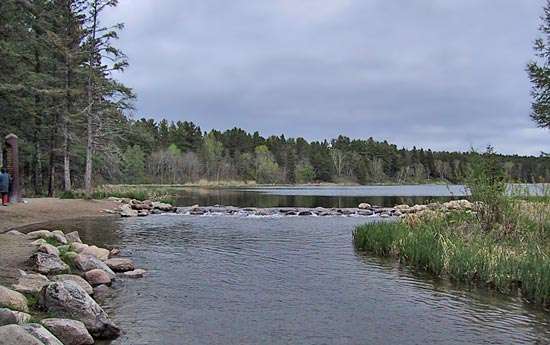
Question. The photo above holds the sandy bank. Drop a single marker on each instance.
(38, 210)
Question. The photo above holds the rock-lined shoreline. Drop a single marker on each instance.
(136, 208)
(65, 276)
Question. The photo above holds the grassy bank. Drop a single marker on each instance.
(456, 247)
(503, 244)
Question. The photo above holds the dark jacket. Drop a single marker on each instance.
(4, 183)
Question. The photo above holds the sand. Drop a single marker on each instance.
(38, 210)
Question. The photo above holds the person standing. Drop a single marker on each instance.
(4, 186)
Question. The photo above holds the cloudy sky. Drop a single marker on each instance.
(440, 74)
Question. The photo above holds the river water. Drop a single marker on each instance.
(290, 280)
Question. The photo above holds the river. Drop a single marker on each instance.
(290, 280)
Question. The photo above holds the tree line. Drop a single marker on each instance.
(58, 94)
(179, 152)
(57, 90)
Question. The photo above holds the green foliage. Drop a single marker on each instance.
(457, 246)
(305, 173)
(267, 170)
(378, 237)
(133, 163)
(487, 184)
(539, 73)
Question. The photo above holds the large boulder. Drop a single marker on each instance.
(100, 253)
(127, 211)
(70, 332)
(73, 237)
(17, 335)
(39, 234)
(97, 277)
(12, 317)
(364, 206)
(41, 334)
(48, 264)
(75, 279)
(142, 205)
(48, 249)
(87, 263)
(121, 264)
(163, 207)
(78, 247)
(31, 283)
(13, 300)
(59, 236)
(68, 300)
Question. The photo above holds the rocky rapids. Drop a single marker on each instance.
(136, 208)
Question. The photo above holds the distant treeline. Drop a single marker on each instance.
(163, 152)
(58, 95)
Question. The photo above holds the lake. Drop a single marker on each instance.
(292, 280)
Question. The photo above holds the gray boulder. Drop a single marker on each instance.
(121, 264)
(41, 334)
(75, 279)
(127, 211)
(48, 249)
(40, 234)
(73, 237)
(70, 332)
(31, 283)
(11, 317)
(68, 300)
(13, 300)
(17, 335)
(87, 263)
(135, 273)
(59, 236)
(48, 264)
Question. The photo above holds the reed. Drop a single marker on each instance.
(457, 247)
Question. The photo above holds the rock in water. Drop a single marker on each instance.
(120, 265)
(75, 279)
(70, 332)
(17, 335)
(364, 206)
(73, 237)
(31, 283)
(13, 300)
(10, 317)
(135, 273)
(48, 264)
(127, 211)
(97, 277)
(87, 263)
(68, 300)
(41, 334)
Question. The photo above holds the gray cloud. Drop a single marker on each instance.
(432, 73)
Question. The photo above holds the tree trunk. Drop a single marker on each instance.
(66, 155)
(89, 155)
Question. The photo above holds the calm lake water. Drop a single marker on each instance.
(290, 280)
(321, 196)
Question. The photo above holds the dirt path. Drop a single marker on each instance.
(38, 210)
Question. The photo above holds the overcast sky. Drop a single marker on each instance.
(439, 74)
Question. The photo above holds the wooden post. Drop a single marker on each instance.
(12, 154)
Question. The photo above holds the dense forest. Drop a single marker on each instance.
(59, 96)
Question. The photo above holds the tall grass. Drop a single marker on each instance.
(457, 247)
